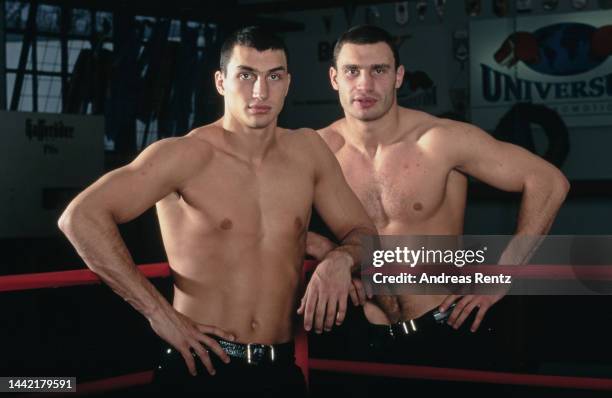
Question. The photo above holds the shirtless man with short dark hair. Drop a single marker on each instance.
(409, 169)
(233, 200)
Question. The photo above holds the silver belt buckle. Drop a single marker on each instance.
(272, 354)
(249, 354)
(408, 327)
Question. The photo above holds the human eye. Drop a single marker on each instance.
(275, 76)
(379, 70)
(351, 71)
(245, 75)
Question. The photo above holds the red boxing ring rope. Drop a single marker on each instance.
(450, 374)
(397, 371)
(161, 270)
(70, 278)
(85, 276)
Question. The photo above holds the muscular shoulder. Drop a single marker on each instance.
(332, 136)
(180, 157)
(209, 136)
(451, 139)
(188, 149)
(304, 140)
(308, 145)
(446, 131)
(422, 126)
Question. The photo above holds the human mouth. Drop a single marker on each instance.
(365, 102)
(259, 109)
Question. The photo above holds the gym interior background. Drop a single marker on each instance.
(86, 85)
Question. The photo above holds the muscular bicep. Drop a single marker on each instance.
(496, 163)
(125, 193)
(130, 190)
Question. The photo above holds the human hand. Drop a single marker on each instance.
(186, 335)
(465, 306)
(326, 294)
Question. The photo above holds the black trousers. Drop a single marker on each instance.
(433, 344)
(277, 379)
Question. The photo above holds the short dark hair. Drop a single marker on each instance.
(256, 37)
(366, 34)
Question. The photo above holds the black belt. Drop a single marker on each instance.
(427, 321)
(259, 354)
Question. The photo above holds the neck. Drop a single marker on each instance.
(370, 136)
(251, 144)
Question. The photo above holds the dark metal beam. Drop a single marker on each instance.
(211, 11)
(3, 95)
(34, 45)
(23, 57)
(65, 19)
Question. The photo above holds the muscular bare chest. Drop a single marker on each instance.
(398, 185)
(270, 201)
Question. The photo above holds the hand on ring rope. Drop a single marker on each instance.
(327, 292)
(186, 335)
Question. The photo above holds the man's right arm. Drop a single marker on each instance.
(90, 223)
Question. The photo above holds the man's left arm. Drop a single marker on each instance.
(324, 301)
(510, 168)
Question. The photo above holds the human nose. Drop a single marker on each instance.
(260, 88)
(365, 82)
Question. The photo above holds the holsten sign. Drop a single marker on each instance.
(46, 160)
(563, 61)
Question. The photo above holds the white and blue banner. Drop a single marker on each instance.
(562, 61)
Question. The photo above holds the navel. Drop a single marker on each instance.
(254, 324)
(417, 206)
(226, 224)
